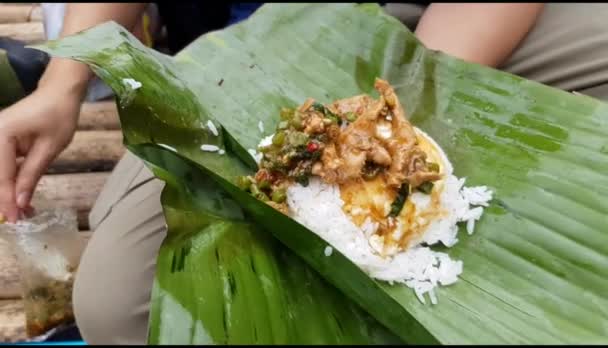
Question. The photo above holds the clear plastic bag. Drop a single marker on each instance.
(48, 249)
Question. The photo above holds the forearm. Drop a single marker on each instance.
(477, 32)
(69, 76)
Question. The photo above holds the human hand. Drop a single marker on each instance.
(41, 125)
(33, 132)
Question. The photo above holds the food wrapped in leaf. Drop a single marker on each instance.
(381, 191)
(535, 270)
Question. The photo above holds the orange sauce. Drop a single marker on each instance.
(373, 198)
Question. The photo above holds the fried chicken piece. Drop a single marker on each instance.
(402, 144)
(313, 124)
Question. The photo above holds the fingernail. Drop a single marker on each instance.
(22, 200)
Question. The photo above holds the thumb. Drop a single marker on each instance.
(35, 164)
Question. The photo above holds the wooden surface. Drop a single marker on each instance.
(99, 116)
(20, 13)
(78, 191)
(90, 151)
(97, 145)
(29, 32)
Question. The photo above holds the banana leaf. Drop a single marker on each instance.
(221, 280)
(10, 86)
(535, 270)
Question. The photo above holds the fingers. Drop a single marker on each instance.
(8, 172)
(30, 210)
(36, 127)
(34, 166)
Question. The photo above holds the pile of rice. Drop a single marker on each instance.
(319, 207)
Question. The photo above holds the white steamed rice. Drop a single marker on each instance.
(131, 83)
(212, 128)
(319, 207)
(263, 143)
(209, 148)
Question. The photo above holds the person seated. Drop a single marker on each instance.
(562, 45)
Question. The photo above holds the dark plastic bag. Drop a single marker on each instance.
(26, 63)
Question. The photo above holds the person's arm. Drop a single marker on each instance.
(41, 125)
(482, 33)
(72, 76)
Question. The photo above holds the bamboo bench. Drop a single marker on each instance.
(74, 180)
(22, 22)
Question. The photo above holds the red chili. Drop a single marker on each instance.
(262, 175)
(272, 177)
(312, 147)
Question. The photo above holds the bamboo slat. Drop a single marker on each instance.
(31, 33)
(20, 13)
(90, 151)
(77, 191)
(99, 116)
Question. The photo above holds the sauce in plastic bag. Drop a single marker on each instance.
(48, 306)
(48, 249)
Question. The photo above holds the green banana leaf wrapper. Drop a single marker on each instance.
(10, 86)
(233, 270)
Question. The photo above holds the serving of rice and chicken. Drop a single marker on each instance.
(379, 190)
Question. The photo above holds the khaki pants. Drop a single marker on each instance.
(568, 49)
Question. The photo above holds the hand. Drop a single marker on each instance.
(36, 128)
(41, 125)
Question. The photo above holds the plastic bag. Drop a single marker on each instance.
(48, 249)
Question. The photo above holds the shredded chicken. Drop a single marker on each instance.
(417, 171)
(351, 139)
(307, 104)
(331, 163)
(356, 104)
(402, 144)
(361, 142)
(314, 124)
